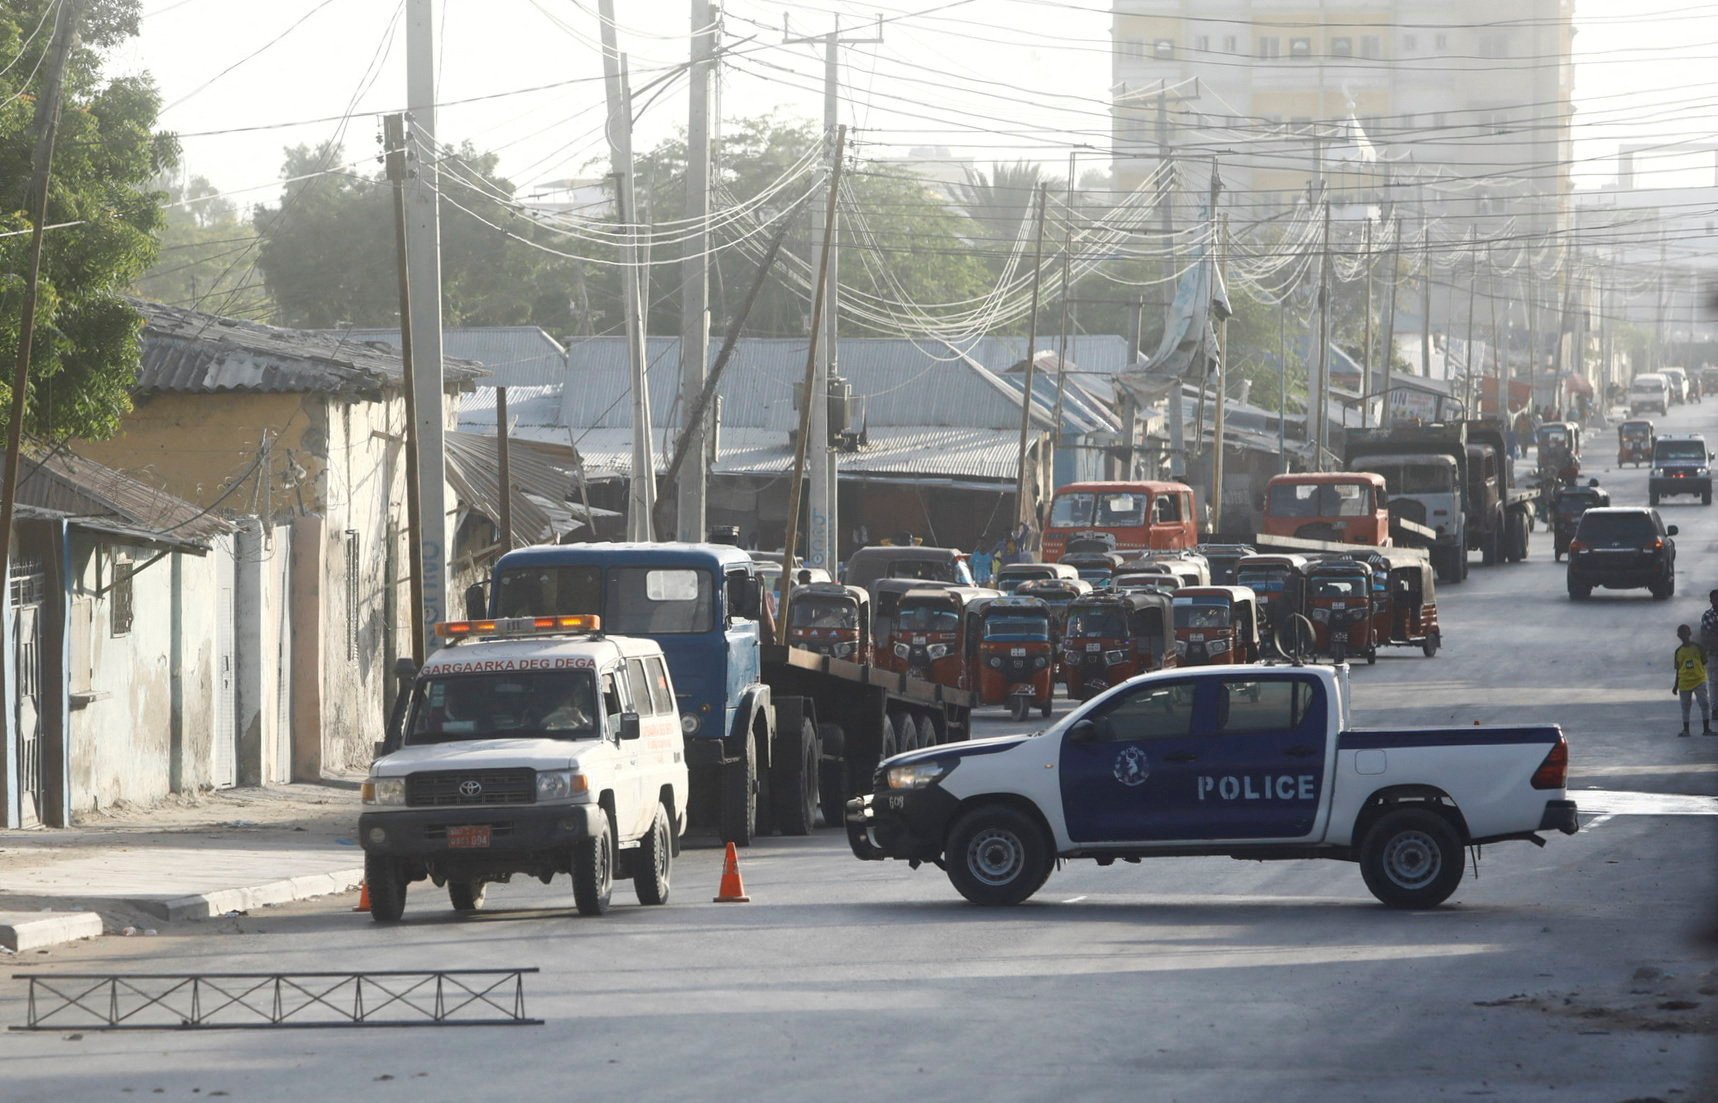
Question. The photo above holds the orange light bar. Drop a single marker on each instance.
(456, 629)
(517, 626)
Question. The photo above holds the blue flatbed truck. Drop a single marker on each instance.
(774, 734)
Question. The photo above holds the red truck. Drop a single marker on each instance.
(1346, 507)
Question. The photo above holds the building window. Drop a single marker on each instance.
(1163, 49)
(1231, 44)
(119, 604)
(352, 617)
(1441, 42)
(1133, 48)
(1410, 43)
(1342, 46)
(1202, 43)
(1270, 47)
(1371, 46)
(1300, 47)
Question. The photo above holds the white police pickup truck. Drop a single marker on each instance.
(1253, 762)
(530, 745)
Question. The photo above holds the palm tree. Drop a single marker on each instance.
(1001, 201)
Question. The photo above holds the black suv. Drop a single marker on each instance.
(1622, 549)
(1679, 466)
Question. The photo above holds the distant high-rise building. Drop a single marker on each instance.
(1467, 101)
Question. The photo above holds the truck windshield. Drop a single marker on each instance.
(550, 591)
(1679, 451)
(546, 704)
(1319, 500)
(1411, 478)
(643, 601)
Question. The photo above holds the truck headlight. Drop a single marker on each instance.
(1217, 646)
(916, 775)
(1113, 657)
(560, 784)
(937, 650)
(383, 790)
(689, 723)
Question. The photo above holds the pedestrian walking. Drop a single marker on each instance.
(1709, 629)
(1691, 679)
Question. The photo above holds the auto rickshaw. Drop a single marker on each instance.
(1413, 609)
(1112, 637)
(1216, 624)
(1280, 583)
(1559, 448)
(1223, 558)
(1342, 607)
(885, 608)
(831, 619)
(1011, 575)
(932, 629)
(1635, 438)
(1058, 594)
(1014, 656)
(1566, 510)
(1190, 567)
(1097, 568)
(1154, 577)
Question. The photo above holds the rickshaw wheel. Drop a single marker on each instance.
(1372, 656)
(1044, 708)
(1017, 708)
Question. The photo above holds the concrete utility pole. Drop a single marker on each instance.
(790, 540)
(1319, 398)
(1220, 232)
(1062, 347)
(1366, 345)
(641, 503)
(691, 490)
(1390, 327)
(823, 532)
(1470, 407)
(1532, 345)
(504, 469)
(423, 226)
(1426, 303)
(1024, 512)
(397, 155)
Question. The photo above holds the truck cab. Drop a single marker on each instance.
(1348, 507)
(535, 746)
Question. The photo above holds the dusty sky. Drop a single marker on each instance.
(992, 79)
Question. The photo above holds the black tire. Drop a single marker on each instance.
(1578, 592)
(997, 856)
(387, 884)
(1411, 858)
(1017, 708)
(1045, 707)
(1491, 547)
(1371, 656)
(654, 861)
(793, 780)
(906, 733)
(739, 814)
(927, 731)
(1706, 497)
(832, 775)
(1430, 647)
(1652, 497)
(465, 896)
(593, 871)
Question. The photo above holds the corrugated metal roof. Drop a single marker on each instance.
(189, 352)
(527, 407)
(82, 488)
(516, 356)
(542, 487)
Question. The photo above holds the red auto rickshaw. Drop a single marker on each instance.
(831, 619)
(932, 627)
(1341, 606)
(1216, 624)
(1412, 611)
(1634, 441)
(1058, 594)
(885, 608)
(1014, 660)
(1113, 636)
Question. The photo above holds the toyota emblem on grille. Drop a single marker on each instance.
(470, 788)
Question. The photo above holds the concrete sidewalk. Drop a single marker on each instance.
(192, 858)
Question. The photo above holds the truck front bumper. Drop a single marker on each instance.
(1560, 815)
(522, 829)
(900, 823)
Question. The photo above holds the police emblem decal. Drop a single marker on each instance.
(1130, 767)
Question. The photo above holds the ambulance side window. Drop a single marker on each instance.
(641, 700)
(613, 704)
(660, 693)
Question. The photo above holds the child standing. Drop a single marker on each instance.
(1691, 679)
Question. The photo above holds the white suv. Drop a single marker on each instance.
(534, 745)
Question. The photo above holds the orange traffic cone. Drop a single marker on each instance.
(363, 897)
(732, 891)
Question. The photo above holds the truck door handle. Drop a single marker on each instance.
(1300, 752)
(1181, 756)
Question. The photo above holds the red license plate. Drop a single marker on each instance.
(468, 836)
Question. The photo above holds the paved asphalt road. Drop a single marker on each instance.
(1557, 974)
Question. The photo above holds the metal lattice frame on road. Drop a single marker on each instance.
(251, 1001)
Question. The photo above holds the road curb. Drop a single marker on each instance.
(205, 905)
(20, 931)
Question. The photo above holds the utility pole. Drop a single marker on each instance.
(1024, 511)
(504, 469)
(1658, 325)
(1426, 303)
(641, 503)
(423, 225)
(692, 488)
(1062, 347)
(1499, 355)
(1320, 397)
(1282, 387)
(1390, 328)
(1220, 232)
(1366, 346)
(397, 156)
(1532, 346)
(1129, 406)
(823, 523)
(47, 125)
(790, 540)
(1469, 408)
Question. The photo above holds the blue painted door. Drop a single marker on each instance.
(1213, 758)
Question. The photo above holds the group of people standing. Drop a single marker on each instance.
(1692, 660)
(986, 560)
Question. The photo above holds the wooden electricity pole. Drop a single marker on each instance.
(1024, 510)
(396, 158)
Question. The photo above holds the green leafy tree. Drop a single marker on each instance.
(328, 256)
(206, 249)
(85, 351)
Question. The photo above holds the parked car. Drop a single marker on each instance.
(1680, 466)
(1620, 548)
(1649, 393)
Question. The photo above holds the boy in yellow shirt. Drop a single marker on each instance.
(1691, 679)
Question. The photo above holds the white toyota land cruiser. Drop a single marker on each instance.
(532, 745)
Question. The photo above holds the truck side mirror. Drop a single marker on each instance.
(628, 726)
(476, 607)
